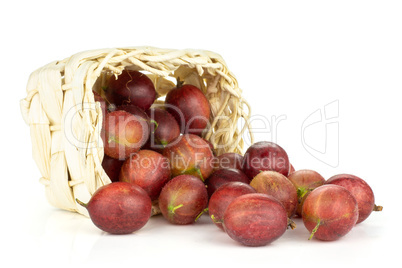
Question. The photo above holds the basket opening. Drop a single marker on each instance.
(206, 83)
(163, 84)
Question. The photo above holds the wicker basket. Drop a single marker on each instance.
(65, 120)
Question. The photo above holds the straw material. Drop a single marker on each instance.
(65, 121)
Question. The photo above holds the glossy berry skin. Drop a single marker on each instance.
(255, 219)
(190, 154)
(223, 196)
(182, 199)
(265, 156)
(148, 169)
(275, 184)
(164, 128)
(329, 212)
(229, 160)
(305, 180)
(112, 167)
(223, 176)
(125, 134)
(119, 208)
(132, 109)
(359, 189)
(132, 88)
(190, 108)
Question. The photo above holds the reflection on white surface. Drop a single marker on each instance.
(71, 239)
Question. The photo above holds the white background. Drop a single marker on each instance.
(291, 58)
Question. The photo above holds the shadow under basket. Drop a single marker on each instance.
(65, 121)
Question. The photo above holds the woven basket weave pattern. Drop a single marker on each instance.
(65, 121)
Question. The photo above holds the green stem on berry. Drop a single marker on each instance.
(215, 220)
(301, 192)
(202, 212)
(194, 170)
(172, 208)
(164, 143)
(113, 139)
(315, 229)
(198, 170)
(155, 123)
(81, 203)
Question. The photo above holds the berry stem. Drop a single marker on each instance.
(172, 209)
(196, 170)
(315, 229)
(81, 203)
(155, 123)
(291, 224)
(200, 174)
(377, 208)
(114, 139)
(179, 83)
(164, 143)
(202, 212)
(155, 208)
(301, 192)
(215, 220)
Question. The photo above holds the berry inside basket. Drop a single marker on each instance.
(66, 121)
